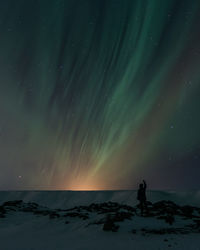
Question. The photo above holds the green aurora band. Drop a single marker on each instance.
(99, 94)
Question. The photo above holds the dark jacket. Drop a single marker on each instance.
(141, 195)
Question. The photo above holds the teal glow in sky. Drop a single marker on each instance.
(99, 94)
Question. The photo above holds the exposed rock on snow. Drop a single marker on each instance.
(112, 214)
(59, 220)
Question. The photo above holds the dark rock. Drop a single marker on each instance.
(120, 216)
(149, 203)
(110, 226)
(197, 223)
(165, 207)
(27, 209)
(187, 211)
(53, 215)
(168, 218)
(128, 208)
(79, 215)
(32, 205)
(15, 203)
(42, 212)
(103, 208)
(2, 210)
(11, 209)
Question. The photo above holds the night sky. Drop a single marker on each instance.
(99, 94)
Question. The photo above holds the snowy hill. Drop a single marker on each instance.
(59, 199)
(90, 220)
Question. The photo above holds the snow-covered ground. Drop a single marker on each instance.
(52, 225)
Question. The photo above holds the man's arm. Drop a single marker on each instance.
(145, 185)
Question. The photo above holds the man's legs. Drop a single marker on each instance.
(141, 207)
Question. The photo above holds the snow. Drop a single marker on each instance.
(27, 231)
(59, 199)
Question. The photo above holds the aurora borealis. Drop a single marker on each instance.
(99, 94)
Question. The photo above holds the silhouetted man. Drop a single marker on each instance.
(141, 196)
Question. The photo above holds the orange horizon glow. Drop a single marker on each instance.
(83, 188)
(91, 185)
(79, 185)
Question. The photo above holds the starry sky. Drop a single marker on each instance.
(99, 94)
